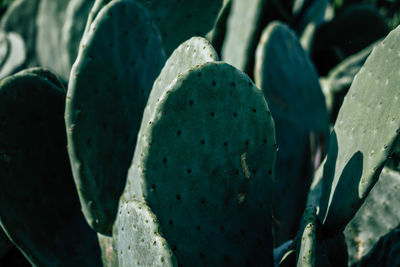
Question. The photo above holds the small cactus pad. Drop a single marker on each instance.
(306, 244)
(118, 61)
(378, 215)
(140, 242)
(38, 197)
(301, 119)
(178, 20)
(240, 40)
(367, 125)
(205, 165)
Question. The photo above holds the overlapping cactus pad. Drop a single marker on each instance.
(285, 153)
(38, 197)
(204, 163)
(119, 59)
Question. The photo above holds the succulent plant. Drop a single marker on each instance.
(150, 151)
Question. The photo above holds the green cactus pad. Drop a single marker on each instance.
(366, 127)
(378, 215)
(386, 251)
(205, 165)
(72, 32)
(20, 17)
(217, 34)
(179, 20)
(38, 197)
(118, 61)
(16, 54)
(50, 20)
(306, 244)
(243, 26)
(298, 108)
(140, 242)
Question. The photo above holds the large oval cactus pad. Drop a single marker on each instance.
(38, 197)
(205, 166)
(118, 61)
(290, 83)
(366, 127)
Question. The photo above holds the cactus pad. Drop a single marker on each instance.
(118, 61)
(301, 120)
(38, 197)
(367, 125)
(205, 166)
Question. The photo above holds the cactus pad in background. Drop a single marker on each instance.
(178, 20)
(15, 54)
(50, 20)
(140, 242)
(366, 127)
(345, 35)
(38, 197)
(377, 216)
(118, 61)
(204, 163)
(72, 31)
(242, 28)
(20, 18)
(298, 108)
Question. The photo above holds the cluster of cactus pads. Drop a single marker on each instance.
(126, 141)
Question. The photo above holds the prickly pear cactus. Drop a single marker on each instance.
(50, 20)
(38, 191)
(178, 20)
(72, 31)
(366, 127)
(204, 165)
(140, 242)
(301, 120)
(15, 55)
(118, 61)
(20, 18)
(243, 26)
